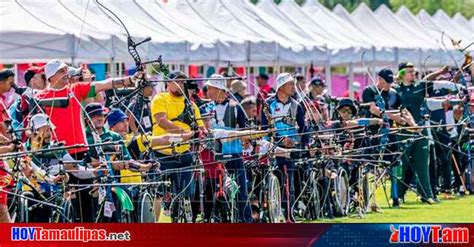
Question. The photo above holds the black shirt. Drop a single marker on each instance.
(391, 99)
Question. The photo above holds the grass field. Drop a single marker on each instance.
(458, 210)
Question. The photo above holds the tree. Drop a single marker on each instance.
(451, 7)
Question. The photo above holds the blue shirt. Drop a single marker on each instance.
(218, 122)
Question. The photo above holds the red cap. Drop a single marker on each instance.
(36, 69)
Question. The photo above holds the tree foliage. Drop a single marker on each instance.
(451, 7)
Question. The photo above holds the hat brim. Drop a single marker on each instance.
(63, 65)
(353, 108)
(211, 84)
(283, 84)
(318, 84)
(72, 72)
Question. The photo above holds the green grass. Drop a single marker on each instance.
(458, 210)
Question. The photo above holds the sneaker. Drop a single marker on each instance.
(375, 208)
(188, 214)
(396, 203)
(430, 201)
(448, 196)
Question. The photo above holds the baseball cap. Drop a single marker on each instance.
(282, 79)
(387, 75)
(299, 77)
(404, 65)
(40, 120)
(115, 116)
(72, 72)
(216, 81)
(53, 66)
(238, 85)
(95, 109)
(356, 85)
(317, 81)
(177, 75)
(32, 71)
(263, 76)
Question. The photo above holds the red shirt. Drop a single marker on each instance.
(68, 120)
(263, 95)
(3, 114)
(5, 179)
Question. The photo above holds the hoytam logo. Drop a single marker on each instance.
(73, 234)
(435, 234)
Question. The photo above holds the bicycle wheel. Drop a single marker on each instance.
(67, 214)
(146, 211)
(274, 199)
(341, 192)
(313, 211)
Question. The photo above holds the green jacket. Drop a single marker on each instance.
(107, 136)
(413, 96)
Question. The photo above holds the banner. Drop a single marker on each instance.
(236, 234)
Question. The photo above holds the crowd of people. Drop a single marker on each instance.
(73, 150)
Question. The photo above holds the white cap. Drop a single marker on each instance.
(356, 85)
(72, 72)
(53, 66)
(40, 120)
(282, 79)
(217, 81)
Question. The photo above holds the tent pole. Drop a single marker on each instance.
(15, 70)
(351, 80)
(327, 71)
(255, 74)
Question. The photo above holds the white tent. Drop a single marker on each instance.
(384, 52)
(197, 52)
(431, 57)
(30, 35)
(221, 31)
(343, 48)
(447, 25)
(330, 22)
(408, 29)
(308, 50)
(171, 43)
(463, 22)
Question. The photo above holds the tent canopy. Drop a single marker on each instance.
(217, 32)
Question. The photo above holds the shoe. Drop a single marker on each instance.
(430, 201)
(375, 208)
(448, 196)
(396, 203)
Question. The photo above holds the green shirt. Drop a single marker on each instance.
(413, 97)
(107, 136)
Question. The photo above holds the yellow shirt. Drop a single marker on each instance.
(127, 176)
(173, 106)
